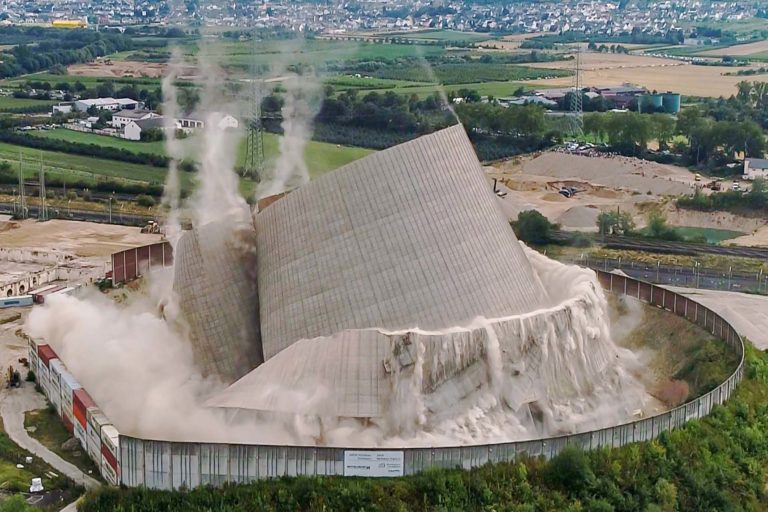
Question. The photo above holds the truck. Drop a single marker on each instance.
(16, 301)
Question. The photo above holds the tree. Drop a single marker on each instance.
(615, 222)
(663, 128)
(534, 228)
(658, 228)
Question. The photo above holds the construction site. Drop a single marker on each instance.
(380, 320)
(365, 323)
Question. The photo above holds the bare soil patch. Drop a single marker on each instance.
(84, 239)
(119, 69)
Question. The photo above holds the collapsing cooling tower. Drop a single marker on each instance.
(216, 288)
(395, 289)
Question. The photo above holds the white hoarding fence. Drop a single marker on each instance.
(373, 463)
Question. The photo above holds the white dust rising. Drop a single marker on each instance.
(141, 373)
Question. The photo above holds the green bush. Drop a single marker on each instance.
(31, 377)
(145, 200)
(533, 228)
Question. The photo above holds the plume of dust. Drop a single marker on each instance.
(216, 196)
(173, 147)
(302, 102)
(432, 78)
(139, 371)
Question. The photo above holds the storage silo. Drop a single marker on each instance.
(671, 102)
(650, 102)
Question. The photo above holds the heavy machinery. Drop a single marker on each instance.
(152, 228)
(14, 378)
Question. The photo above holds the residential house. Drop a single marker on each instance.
(122, 118)
(755, 168)
(134, 129)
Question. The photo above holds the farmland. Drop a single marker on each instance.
(320, 157)
(650, 72)
(9, 103)
(454, 74)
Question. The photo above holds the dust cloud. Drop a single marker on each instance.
(548, 372)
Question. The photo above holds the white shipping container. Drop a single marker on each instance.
(110, 454)
(96, 420)
(68, 385)
(43, 377)
(55, 384)
(81, 435)
(32, 356)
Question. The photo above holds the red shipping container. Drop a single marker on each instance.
(68, 424)
(81, 401)
(111, 460)
(46, 353)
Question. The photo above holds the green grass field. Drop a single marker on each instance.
(50, 431)
(317, 52)
(88, 81)
(320, 157)
(495, 89)
(9, 102)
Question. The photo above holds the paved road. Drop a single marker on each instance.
(13, 404)
(747, 313)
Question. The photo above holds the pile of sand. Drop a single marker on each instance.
(580, 217)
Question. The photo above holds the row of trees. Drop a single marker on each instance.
(73, 47)
(709, 142)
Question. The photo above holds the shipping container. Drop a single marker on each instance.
(36, 293)
(42, 376)
(54, 375)
(16, 302)
(81, 402)
(110, 454)
(96, 420)
(32, 355)
(46, 353)
(68, 386)
(39, 297)
(67, 424)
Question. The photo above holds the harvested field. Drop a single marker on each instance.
(83, 239)
(118, 69)
(738, 50)
(653, 73)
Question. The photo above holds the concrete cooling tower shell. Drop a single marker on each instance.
(404, 238)
(217, 298)
(364, 275)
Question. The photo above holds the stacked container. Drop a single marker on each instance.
(96, 420)
(110, 450)
(34, 361)
(81, 404)
(54, 376)
(68, 387)
(45, 356)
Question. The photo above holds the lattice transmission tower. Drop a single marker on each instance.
(254, 149)
(42, 212)
(577, 107)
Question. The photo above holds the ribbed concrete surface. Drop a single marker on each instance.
(407, 237)
(218, 300)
